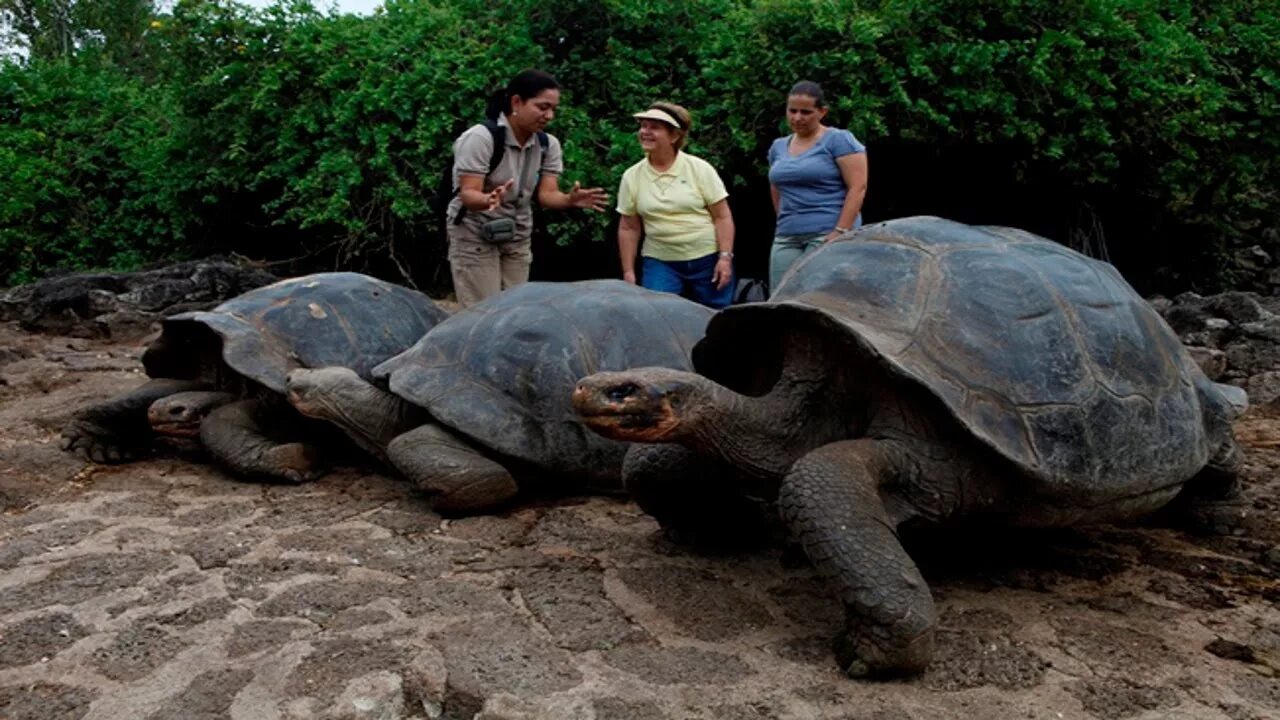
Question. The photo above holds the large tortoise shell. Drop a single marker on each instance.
(1046, 355)
(502, 372)
(326, 319)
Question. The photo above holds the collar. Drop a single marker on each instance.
(669, 171)
(510, 135)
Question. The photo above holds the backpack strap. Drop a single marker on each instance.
(499, 134)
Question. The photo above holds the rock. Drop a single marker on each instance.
(1272, 556)
(1212, 362)
(129, 325)
(1236, 307)
(1217, 323)
(14, 353)
(102, 304)
(1263, 388)
(376, 696)
(426, 680)
(1267, 329)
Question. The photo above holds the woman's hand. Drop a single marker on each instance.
(588, 198)
(493, 198)
(723, 273)
(629, 276)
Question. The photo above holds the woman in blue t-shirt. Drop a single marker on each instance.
(818, 178)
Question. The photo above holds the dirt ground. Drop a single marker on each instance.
(164, 589)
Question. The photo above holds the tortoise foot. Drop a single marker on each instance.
(98, 444)
(293, 462)
(1218, 517)
(863, 653)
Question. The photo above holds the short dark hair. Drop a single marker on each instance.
(811, 89)
(526, 85)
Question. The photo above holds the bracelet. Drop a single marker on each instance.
(726, 254)
(841, 230)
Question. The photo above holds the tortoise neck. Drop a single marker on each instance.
(763, 436)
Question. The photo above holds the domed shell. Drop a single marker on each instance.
(1046, 355)
(326, 319)
(502, 372)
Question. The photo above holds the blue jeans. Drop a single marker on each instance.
(787, 249)
(687, 278)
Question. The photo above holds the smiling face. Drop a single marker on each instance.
(656, 135)
(803, 114)
(534, 113)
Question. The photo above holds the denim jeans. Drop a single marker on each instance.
(687, 278)
(787, 249)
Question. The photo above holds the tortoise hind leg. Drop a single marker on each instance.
(1213, 501)
(831, 502)
(118, 430)
(235, 435)
(459, 478)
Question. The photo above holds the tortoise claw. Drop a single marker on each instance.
(95, 444)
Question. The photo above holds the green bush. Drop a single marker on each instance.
(84, 151)
(1146, 129)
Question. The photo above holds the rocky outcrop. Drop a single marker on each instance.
(1235, 336)
(125, 306)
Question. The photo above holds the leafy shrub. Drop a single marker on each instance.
(1145, 131)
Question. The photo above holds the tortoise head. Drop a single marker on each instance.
(643, 405)
(179, 416)
(324, 392)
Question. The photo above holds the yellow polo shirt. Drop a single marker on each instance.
(672, 205)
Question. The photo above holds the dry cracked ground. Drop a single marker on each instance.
(164, 589)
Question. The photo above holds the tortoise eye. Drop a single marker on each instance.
(618, 393)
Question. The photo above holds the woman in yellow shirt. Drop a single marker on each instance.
(680, 205)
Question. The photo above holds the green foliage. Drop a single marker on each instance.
(84, 150)
(1148, 126)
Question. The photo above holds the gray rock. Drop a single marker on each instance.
(1264, 387)
(1212, 362)
(76, 304)
(426, 681)
(376, 696)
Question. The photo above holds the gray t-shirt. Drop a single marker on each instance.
(471, 153)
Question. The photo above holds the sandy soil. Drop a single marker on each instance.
(164, 589)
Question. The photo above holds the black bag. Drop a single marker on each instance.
(446, 190)
(751, 290)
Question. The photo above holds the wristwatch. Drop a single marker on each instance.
(726, 254)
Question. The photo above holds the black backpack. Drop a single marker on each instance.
(446, 190)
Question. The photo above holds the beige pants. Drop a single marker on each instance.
(482, 269)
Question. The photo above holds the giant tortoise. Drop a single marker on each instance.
(482, 404)
(219, 375)
(925, 370)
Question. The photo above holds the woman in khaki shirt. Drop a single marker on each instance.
(490, 219)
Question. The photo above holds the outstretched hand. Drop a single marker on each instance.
(588, 198)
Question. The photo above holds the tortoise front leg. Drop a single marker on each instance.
(831, 502)
(234, 434)
(459, 478)
(117, 430)
(696, 499)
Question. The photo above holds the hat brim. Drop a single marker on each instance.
(661, 116)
